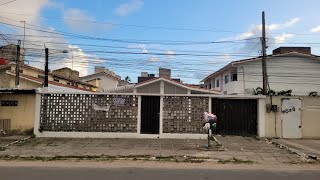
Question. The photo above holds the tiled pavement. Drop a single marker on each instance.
(234, 147)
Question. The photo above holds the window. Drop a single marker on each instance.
(68, 83)
(218, 83)
(234, 77)
(226, 79)
(56, 80)
(21, 71)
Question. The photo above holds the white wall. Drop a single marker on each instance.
(106, 82)
(301, 74)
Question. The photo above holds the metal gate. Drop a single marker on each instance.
(236, 116)
(150, 114)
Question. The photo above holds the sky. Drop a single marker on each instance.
(193, 38)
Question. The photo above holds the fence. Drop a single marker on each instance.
(119, 115)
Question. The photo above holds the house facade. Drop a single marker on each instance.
(288, 68)
(161, 85)
(33, 78)
(103, 79)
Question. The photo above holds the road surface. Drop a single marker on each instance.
(109, 172)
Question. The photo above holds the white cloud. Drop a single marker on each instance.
(283, 37)
(80, 60)
(154, 59)
(143, 47)
(36, 40)
(255, 30)
(315, 29)
(170, 54)
(129, 7)
(79, 20)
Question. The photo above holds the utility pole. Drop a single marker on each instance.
(24, 32)
(46, 70)
(264, 47)
(18, 66)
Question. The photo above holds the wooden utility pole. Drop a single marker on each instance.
(264, 47)
(18, 66)
(46, 69)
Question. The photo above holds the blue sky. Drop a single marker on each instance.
(125, 25)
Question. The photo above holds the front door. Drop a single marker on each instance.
(291, 118)
(150, 114)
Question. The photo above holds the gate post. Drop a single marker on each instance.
(139, 115)
(261, 117)
(37, 111)
(161, 116)
(210, 104)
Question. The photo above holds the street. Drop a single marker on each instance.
(154, 171)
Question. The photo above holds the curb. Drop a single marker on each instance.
(302, 155)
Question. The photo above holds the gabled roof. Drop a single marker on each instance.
(186, 86)
(41, 81)
(234, 63)
(54, 75)
(103, 73)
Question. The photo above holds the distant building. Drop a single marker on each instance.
(9, 53)
(104, 79)
(33, 78)
(163, 72)
(288, 68)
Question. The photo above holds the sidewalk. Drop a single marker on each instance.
(235, 148)
(306, 146)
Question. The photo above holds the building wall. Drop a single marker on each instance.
(4, 79)
(310, 121)
(22, 116)
(23, 84)
(151, 88)
(173, 89)
(300, 74)
(105, 82)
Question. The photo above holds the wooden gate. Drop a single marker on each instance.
(150, 114)
(236, 116)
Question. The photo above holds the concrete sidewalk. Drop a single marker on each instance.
(235, 148)
(306, 146)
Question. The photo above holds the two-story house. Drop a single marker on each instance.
(288, 68)
(103, 78)
(30, 77)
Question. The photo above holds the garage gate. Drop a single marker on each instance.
(236, 116)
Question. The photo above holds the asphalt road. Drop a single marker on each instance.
(80, 173)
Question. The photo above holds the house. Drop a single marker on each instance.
(162, 85)
(103, 78)
(288, 68)
(163, 72)
(33, 78)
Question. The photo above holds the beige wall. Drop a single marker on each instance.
(150, 88)
(24, 84)
(310, 117)
(174, 89)
(22, 116)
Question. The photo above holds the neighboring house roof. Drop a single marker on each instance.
(100, 73)
(54, 75)
(234, 63)
(187, 86)
(41, 81)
